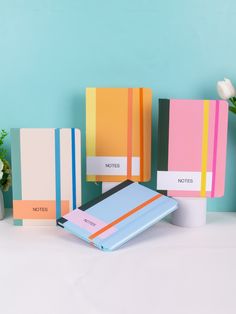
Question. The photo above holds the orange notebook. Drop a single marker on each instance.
(118, 134)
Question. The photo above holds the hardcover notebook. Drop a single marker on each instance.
(117, 215)
(192, 137)
(46, 169)
(118, 134)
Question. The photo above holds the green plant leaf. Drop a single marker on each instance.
(233, 101)
(3, 134)
(232, 109)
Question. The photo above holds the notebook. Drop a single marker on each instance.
(192, 137)
(46, 170)
(118, 215)
(118, 134)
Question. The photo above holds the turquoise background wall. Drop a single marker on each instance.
(50, 50)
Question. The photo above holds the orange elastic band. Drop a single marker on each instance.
(141, 133)
(131, 212)
(129, 135)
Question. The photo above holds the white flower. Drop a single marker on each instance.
(226, 89)
(1, 167)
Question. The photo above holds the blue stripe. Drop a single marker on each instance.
(73, 167)
(58, 173)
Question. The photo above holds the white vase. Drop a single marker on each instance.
(2, 209)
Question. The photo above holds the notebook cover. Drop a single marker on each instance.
(46, 170)
(118, 215)
(118, 134)
(192, 137)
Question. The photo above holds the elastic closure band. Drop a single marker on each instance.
(129, 134)
(123, 217)
(206, 109)
(141, 132)
(216, 129)
(58, 173)
(73, 168)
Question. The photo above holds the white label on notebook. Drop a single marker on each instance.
(115, 166)
(182, 180)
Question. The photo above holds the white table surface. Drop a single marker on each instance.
(167, 269)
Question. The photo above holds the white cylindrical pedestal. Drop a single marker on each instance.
(108, 185)
(191, 212)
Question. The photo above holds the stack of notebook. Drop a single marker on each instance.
(46, 164)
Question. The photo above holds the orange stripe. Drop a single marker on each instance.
(141, 133)
(38, 209)
(129, 135)
(131, 212)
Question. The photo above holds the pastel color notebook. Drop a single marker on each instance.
(192, 137)
(118, 134)
(117, 215)
(46, 169)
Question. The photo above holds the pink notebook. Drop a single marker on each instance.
(192, 138)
